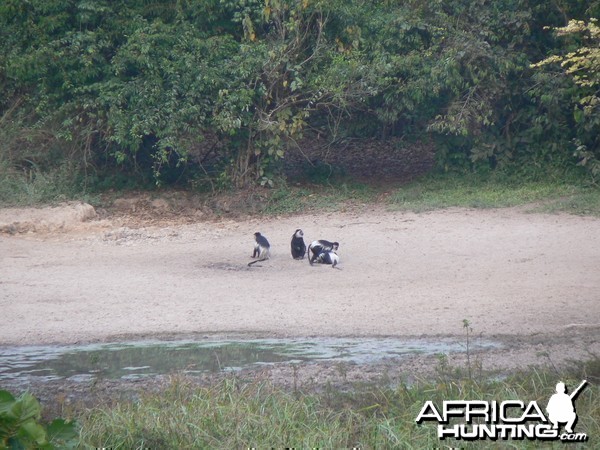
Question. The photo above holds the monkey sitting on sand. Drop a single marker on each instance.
(298, 245)
(262, 248)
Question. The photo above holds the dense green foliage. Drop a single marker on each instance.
(172, 91)
(20, 426)
(583, 64)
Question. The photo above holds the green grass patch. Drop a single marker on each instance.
(237, 414)
(297, 199)
(35, 187)
(584, 201)
(437, 192)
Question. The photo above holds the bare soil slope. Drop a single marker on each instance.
(531, 280)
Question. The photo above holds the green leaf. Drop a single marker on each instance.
(25, 407)
(30, 430)
(64, 434)
(6, 402)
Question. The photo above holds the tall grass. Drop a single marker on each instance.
(34, 186)
(236, 414)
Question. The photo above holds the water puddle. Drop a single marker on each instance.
(150, 358)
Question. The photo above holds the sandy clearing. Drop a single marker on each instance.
(402, 274)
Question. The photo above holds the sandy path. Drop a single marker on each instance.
(508, 272)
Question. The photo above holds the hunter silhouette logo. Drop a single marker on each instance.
(560, 407)
(509, 419)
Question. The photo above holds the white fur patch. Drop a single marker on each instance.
(334, 258)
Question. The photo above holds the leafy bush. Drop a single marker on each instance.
(20, 426)
(224, 88)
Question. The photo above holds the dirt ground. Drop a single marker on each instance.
(532, 281)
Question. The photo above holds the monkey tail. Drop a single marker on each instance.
(257, 261)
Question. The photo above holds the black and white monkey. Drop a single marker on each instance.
(298, 245)
(262, 248)
(328, 257)
(320, 246)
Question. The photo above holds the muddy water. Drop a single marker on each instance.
(150, 358)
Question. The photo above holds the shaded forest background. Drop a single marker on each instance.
(233, 93)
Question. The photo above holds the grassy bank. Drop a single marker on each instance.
(431, 192)
(236, 414)
(298, 199)
(249, 411)
(33, 187)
